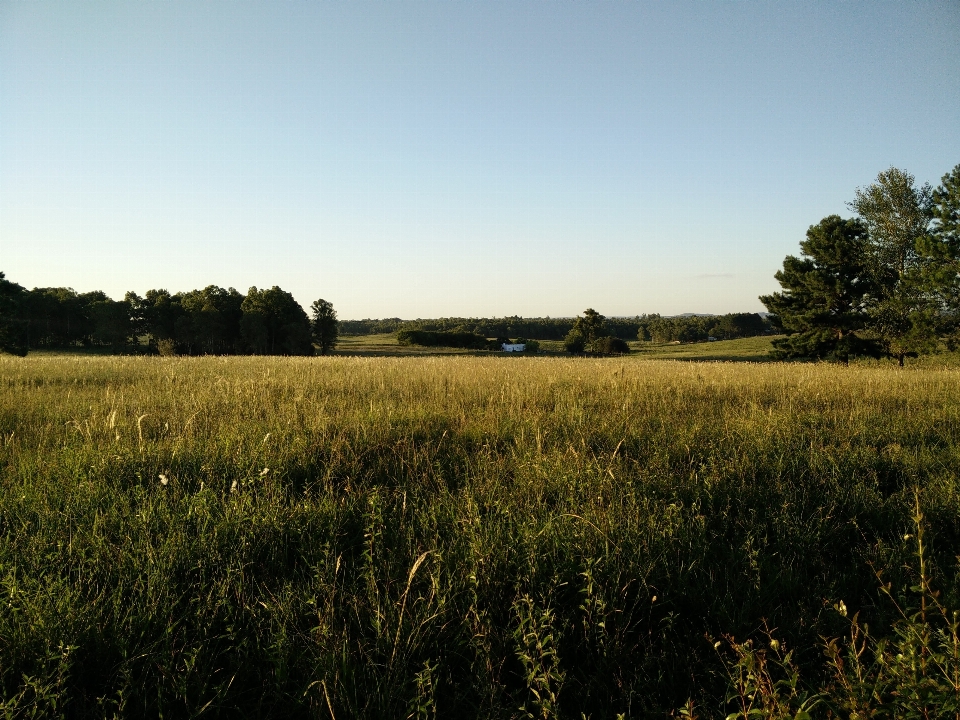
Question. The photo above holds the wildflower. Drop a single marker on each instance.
(164, 479)
(233, 486)
(264, 471)
(774, 644)
(841, 608)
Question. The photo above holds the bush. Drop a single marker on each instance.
(167, 347)
(574, 342)
(611, 345)
(428, 338)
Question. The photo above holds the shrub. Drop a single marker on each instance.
(611, 345)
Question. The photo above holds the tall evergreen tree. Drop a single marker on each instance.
(942, 246)
(897, 215)
(324, 325)
(826, 291)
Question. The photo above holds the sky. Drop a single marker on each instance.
(457, 158)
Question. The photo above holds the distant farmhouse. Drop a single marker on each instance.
(514, 347)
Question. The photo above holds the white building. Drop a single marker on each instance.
(513, 347)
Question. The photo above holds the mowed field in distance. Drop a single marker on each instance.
(488, 536)
(754, 349)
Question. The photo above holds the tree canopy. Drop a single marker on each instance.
(13, 329)
(825, 294)
(883, 283)
(324, 326)
(213, 320)
(273, 323)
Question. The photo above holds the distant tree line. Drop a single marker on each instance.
(591, 334)
(211, 321)
(439, 338)
(645, 327)
(514, 326)
(371, 327)
(885, 283)
(465, 340)
(697, 328)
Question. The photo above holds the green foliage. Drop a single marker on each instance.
(273, 323)
(211, 322)
(111, 323)
(536, 649)
(159, 315)
(13, 326)
(904, 310)
(738, 325)
(324, 326)
(911, 672)
(429, 338)
(574, 342)
(58, 317)
(700, 328)
(764, 682)
(590, 333)
(887, 282)
(945, 209)
(610, 345)
(592, 327)
(942, 248)
(826, 291)
(625, 328)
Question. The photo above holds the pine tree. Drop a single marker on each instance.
(823, 306)
(942, 247)
(896, 214)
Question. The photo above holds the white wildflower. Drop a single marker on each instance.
(264, 471)
(233, 486)
(164, 479)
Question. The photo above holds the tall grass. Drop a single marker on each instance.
(448, 537)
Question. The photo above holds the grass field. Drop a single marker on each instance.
(389, 537)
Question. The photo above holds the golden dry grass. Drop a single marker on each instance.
(535, 497)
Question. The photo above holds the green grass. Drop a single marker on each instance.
(386, 345)
(744, 350)
(755, 349)
(382, 537)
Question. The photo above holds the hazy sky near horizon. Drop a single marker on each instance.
(418, 159)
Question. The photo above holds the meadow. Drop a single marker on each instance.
(456, 536)
(753, 349)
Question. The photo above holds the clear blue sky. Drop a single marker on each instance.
(463, 157)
